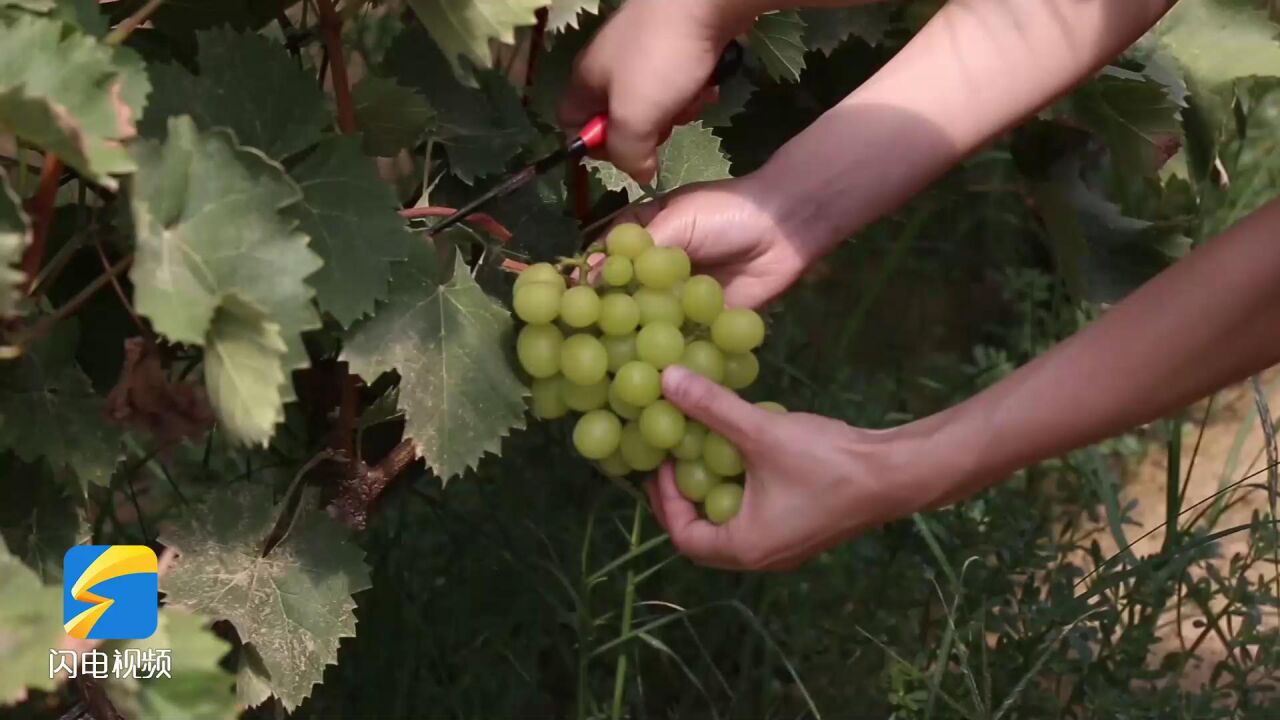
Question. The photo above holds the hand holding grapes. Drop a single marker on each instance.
(737, 232)
(811, 482)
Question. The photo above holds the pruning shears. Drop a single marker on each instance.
(591, 136)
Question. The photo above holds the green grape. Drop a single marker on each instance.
(621, 350)
(540, 272)
(662, 425)
(545, 399)
(661, 267)
(723, 502)
(772, 407)
(720, 456)
(583, 359)
(617, 271)
(702, 299)
(538, 349)
(694, 480)
(659, 306)
(659, 344)
(704, 358)
(628, 240)
(585, 398)
(637, 383)
(579, 306)
(619, 314)
(537, 302)
(597, 434)
(614, 465)
(737, 330)
(620, 407)
(638, 453)
(690, 447)
(740, 370)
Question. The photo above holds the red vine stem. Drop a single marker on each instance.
(41, 209)
(481, 221)
(131, 23)
(331, 34)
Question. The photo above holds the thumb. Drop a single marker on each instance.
(717, 407)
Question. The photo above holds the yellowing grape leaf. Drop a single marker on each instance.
(15, 234)
(463, 28)
(293, 605)
(390, 116)
(210, 223)
(481, 128)
(50, 410)
(30, 624)
(778, 39)
(563, 14)
(1217, 41)
(351, 217)
(243, 370)
(198, 689)
(246, 83)
(691, 154)
(450, 343)
(67, 93)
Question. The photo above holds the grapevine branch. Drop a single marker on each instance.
(40, 207)
(43, 327)
(331, 34)
(360, 491)
(122, 31)
(480, 221)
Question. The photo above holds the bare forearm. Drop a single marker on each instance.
(1210, 320)
(978, 68)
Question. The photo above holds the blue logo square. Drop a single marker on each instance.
(110, 592)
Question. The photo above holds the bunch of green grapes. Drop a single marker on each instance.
(599, 348)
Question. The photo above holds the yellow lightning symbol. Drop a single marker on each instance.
(118, 560)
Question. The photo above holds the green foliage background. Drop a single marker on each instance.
(220, 251)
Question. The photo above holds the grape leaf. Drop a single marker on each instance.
(84, 14)
(30, 624)
(51, 411)
(208, 221)
(826, 29)
(691, 154)
(463, 28)
(66, 92)
(1217, 41)
(1129, 111)
(536, 216)
(391, 117)
(734, 94)
(15, 234)
(244, 370)
(480, 127)
(39, 518)
(199, 688)
(293, 605)
(247, 83)
(449, 342)
(1100, 252)
(563, 14)
(778, 39)
(350, 215)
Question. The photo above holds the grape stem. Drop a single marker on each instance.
(331, 35)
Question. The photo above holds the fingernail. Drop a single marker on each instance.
(674, 378)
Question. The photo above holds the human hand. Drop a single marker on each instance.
(739, 231)
(647, 68)
(811, 482)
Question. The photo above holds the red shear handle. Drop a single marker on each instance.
(593, 134)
